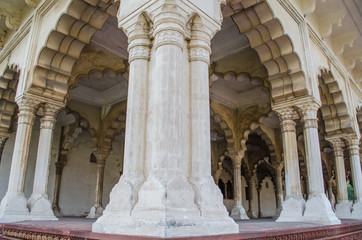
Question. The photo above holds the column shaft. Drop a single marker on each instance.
(58, 179)
(238, 211)
(279, 189)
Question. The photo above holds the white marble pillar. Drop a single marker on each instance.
(125, 193)
(238, 211)
(38, 203)
(97, 209)
(13, 206)
(178, 196)
(343, 207)
(294, 204)
(318, 208)
(353, 147)
(279, 188)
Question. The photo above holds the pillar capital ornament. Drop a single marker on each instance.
(50, 112)
(309, 111)
(101, 156)
(337, 145)
(278, 168)
(287, 116)
(27, 108)
(353, 144)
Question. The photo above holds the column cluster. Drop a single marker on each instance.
(14, 206)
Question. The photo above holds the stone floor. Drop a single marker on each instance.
(80, 228)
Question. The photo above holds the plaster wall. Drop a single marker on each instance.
(267, 198)
(77, 189)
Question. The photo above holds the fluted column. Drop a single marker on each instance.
(14, 204)
(38, 203)
(353, 147)
(293, 206)
(279, 188)
(59, 166)
(238, 211)
(318, 208)
(343, 207)
(97, 209)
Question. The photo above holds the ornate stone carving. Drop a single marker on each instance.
(169, 37)
(27, 107)
(337, 145)
(32, 3)
(353, 145)
(200, 54)
(139, 52)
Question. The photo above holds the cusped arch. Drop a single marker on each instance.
(229, 138)
(8, 86)
(334, 108)
(266, 36)
(65, 43)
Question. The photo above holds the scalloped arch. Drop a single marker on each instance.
(334, 108)
(266, 36)
(65, 43)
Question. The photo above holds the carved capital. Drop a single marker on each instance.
(337, 145)
(50, 112)
(353, 144)
(287, 126)
(286, 113)
(199, 54)
(309, 111)
(101, 156)
(27, 107)
(138, 52)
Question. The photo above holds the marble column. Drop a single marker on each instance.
(38, 203)
(238, 211)
(97, 209)
(279, 188)
(318, 208)
(353, 146)
(343, 206)
(252, 189)
(13, 206)
(124, 195)
(59, 166)
(294, 204)
(178, 196)
(331, 198)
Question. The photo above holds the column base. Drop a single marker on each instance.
(277, 212)
(357, 210)
(13, 208)
(95, 212)
(252, 214)
(292, 209)
(238, 213)
(166, 208)
(56, 211)
(40, 208)
(343, 209)
(318, 210)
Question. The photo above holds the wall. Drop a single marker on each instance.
(267, 198)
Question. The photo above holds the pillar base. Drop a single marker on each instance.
(40, 208)
(292, 209)
(56, 211)
(13, 208)
(277, 212)
(238, 213)
(95, 212)
(343, 209)
(252, 214)
(166, 208)
(318, 210)
(357, 210)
